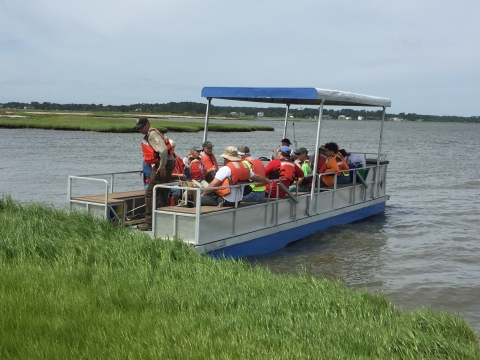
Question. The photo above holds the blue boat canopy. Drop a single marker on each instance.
(300, 96)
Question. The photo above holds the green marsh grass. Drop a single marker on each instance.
(114, 123)
(75, 287)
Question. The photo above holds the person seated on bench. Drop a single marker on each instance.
(179, 171)
(256, 165)
(354, 161)
(343, 176)
(330, 165)
(198, 171)
(284, 169)
(234, 172)
(303, 183)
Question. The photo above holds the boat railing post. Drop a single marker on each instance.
(69, 192)
(286, 120)
(315, 161)
(106, 199)
(334, 190)
(377, 170)
(197, 215)
(235, 215)
(111, 182)
(268, 201)
(354, 174)
(154, 208)
(276, 205)
(207, 118)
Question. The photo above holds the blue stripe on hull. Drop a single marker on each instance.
(279, 240)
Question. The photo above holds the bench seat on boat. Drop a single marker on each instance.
(113, 198)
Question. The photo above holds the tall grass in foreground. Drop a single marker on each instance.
(75, 287)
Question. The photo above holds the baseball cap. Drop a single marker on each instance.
(301, 150)
(140, 123)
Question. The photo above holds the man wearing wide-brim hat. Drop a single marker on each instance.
(234, 172)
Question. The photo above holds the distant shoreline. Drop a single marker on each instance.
(114, 122)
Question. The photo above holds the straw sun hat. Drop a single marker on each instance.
(231, 154)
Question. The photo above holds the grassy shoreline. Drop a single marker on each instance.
(76, 287)
(115, 123)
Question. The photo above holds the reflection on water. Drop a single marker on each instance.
(423, 251)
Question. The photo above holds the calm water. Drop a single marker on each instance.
(423, 251)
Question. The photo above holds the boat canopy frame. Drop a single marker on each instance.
(298, 96)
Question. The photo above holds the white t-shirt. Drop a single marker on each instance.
(222, 174)
(355, 158)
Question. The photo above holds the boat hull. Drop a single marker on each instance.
(280, 236)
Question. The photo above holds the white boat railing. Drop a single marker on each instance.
(108, 181)
(276, 210)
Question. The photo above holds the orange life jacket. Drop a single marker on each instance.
(342, 165)
(197, 170)
(149, 154)
(257, 164)
(240, 175)
(322, 160)
(209, 162)
(287, 170)
(179, 167)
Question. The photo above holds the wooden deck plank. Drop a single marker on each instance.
(113, 198)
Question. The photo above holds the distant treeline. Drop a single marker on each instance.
(199, 109)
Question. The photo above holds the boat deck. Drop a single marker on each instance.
(113, 198)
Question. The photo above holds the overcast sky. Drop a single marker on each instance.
(423, 55)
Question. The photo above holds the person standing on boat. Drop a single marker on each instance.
(256, 165)
(234, 172)
(146, 172)
(284, 142)
(303, 183)
(209, 160)
(157, 153)
(284, 169)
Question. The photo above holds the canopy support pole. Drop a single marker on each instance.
(285, 125)
(207, 118)
(315, 161)
(377, 170)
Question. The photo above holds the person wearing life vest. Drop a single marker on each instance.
(234, 172)
(209, 160)
(197, 169)
(257, 192)
(330, 165)
(303, 183)
(284, 169)
(343, 176)
(321, 158)
(179, 170)
(157, 153)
